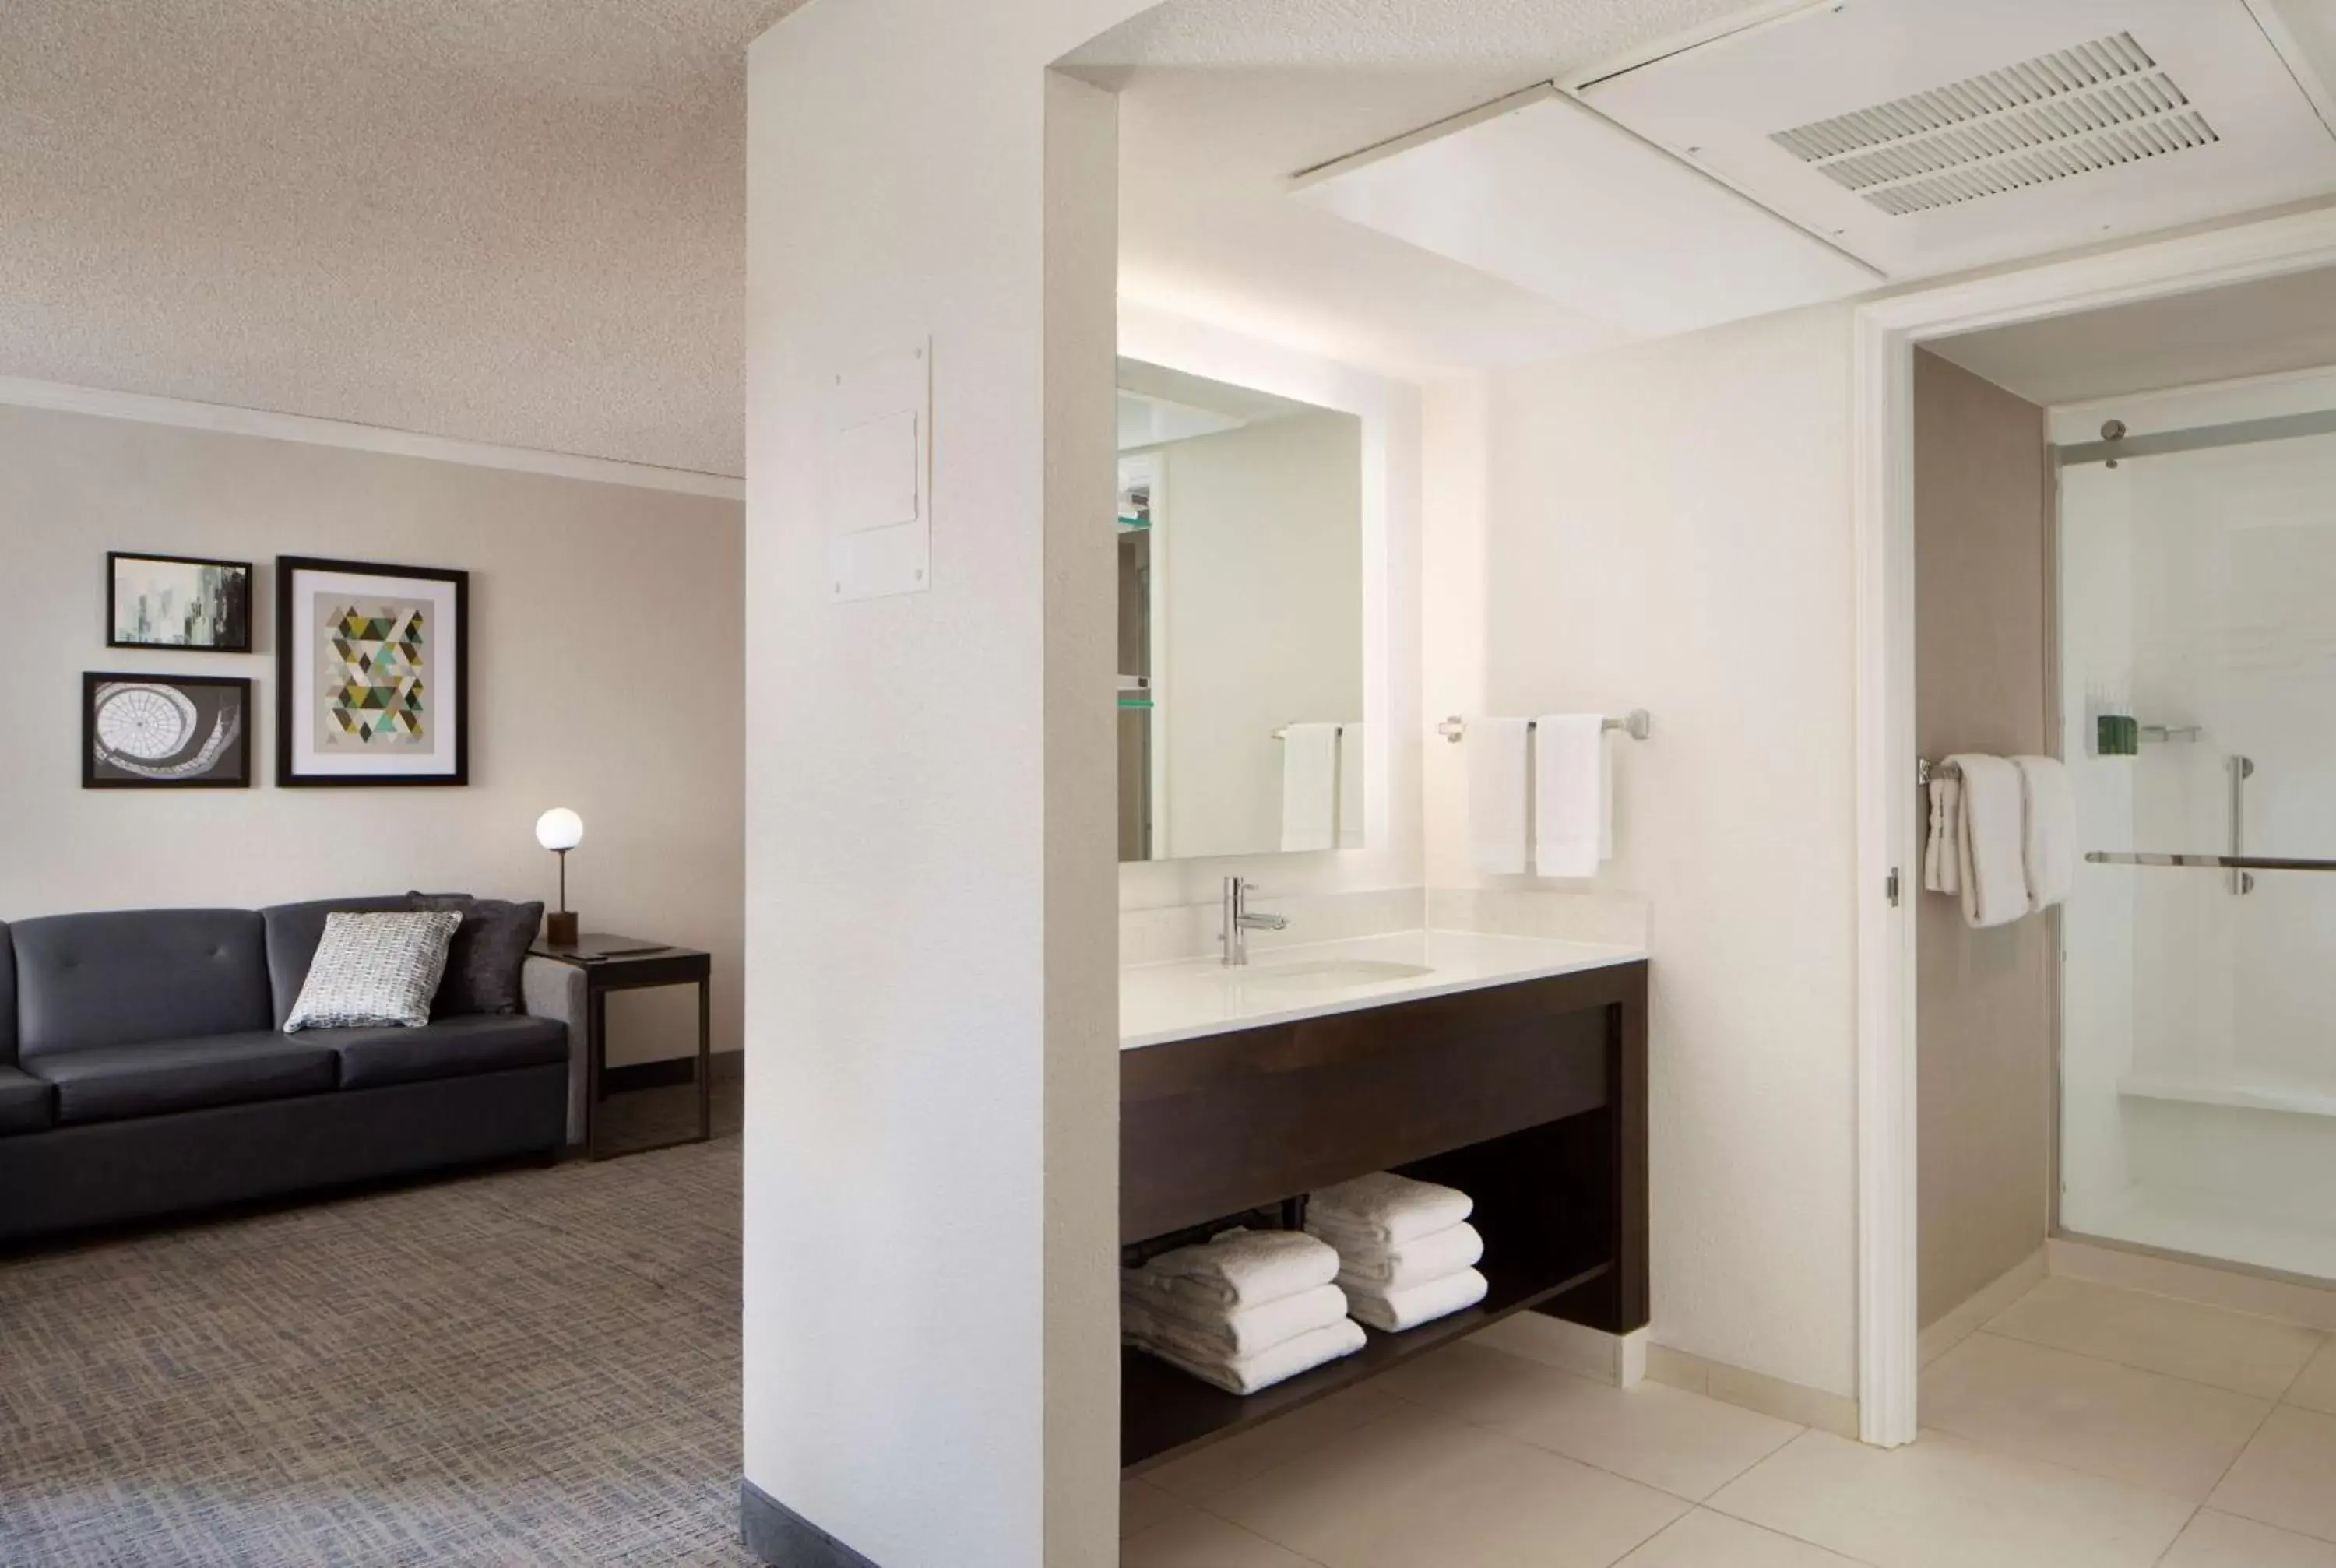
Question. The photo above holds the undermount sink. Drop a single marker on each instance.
(1327, 972)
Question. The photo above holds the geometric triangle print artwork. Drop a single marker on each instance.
(376, 656)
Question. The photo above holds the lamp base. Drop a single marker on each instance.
(559, 928)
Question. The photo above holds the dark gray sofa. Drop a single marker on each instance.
(144, 1069)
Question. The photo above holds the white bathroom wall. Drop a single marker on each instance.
(1668, 526)
(606, 668)
(930, 1356)
(1262, 545)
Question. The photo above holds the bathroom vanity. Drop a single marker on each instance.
(1513, 1068)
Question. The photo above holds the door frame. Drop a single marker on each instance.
(1885, 334)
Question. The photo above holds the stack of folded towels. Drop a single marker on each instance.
(1243, 1312)
(1407, 1252)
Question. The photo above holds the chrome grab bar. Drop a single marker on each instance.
(2209, 862)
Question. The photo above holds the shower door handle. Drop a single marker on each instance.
(2240, 883)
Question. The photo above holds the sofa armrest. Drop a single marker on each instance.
(551, 989)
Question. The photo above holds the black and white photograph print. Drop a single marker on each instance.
(165, 732)
(177, 601)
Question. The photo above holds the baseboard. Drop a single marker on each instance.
(779, 1536)
(2235, 1288)
(1617, 1358)
(1794, 1402)
(669, 1072)
(1967, 1320)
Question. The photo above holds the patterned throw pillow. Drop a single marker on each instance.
(374, 968)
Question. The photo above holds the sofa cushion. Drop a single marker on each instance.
(93, 981)
(27, 1104)
(293, 932)
(488, 950)
(108, 1083)
(448, 1049)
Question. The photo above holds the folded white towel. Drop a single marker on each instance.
(1245, 1268)
(1385, 1210)
(1990, 862)
(1497, 806)
(2048, 829)
(1204, 1333)
(1414, 1262)
(1249, 1374)
(1942, 851)
(1309, 787)
(1392, 1311)
(1572, 832)
(1352, 770)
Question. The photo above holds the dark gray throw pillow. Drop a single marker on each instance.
(488, 950)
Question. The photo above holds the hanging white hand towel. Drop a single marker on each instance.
(1351, 771)
(1991, 862)
(2048, 829)
(1309, 787)
(1942, 851)
(1497, 805)
(1573, 829)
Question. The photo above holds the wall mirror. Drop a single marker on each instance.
(1241, 620)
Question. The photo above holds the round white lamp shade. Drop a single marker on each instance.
(559, 829)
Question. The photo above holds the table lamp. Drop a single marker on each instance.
(560, 830)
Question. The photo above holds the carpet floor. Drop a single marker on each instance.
(521, 1366)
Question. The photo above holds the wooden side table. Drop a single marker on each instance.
(614, 963)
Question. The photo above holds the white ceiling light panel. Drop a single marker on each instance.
(1542, 193)
(1928, 136)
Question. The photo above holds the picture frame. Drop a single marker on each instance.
(373, 674)
(183, 603)
(143, 731)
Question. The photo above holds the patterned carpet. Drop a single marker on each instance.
(523, 1367)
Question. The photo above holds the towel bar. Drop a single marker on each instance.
(1635, 723)
(1925, 770)
(1339, 732)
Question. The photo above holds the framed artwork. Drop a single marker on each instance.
(177, 601)
(165, 731)
(372, 667)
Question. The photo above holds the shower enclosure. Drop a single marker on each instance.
(2197, 633)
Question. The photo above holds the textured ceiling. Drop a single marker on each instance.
(1413, 34)
(1222, 100)
(518, 221)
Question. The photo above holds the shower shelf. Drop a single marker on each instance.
(2233, 1094)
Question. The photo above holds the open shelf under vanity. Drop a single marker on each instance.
(1529, 1096)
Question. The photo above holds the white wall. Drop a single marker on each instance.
(1262, 541)
(606, 675)
(931, 1368)
(1391, 577)
(1668, 526)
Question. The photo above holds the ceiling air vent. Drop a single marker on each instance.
(2093, 106)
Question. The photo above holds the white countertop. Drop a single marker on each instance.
(1195, 996)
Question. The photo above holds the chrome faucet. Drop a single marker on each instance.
(1239, 922)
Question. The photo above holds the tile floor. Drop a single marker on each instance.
(2082, 1426)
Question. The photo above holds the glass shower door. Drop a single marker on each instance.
(2199, 996)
